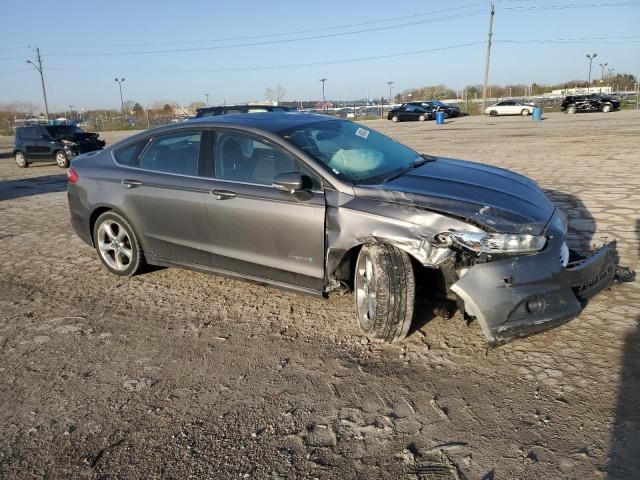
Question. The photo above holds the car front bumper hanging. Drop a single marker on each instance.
(518, 296)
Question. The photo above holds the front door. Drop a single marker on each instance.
(256, 230)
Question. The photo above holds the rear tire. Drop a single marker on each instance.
(61, 159)
(493, 113)
(384, 286)
(117, 245)
(21, 160)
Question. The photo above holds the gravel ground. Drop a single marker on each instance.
(175, 374)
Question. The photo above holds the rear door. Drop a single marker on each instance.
(254, 229)
(165, 194)
(506, 108)
(30, 137)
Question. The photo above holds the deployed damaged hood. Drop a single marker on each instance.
(490, 197)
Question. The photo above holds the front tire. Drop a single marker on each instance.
(61, 159)
(117, 245)
(422, 118)
(571, 109)
(493, 113)
(21, 160)
(384, 286)
(394, 118)
(525, 112)
(606, 108)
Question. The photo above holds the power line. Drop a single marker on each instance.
(295, 32)
(570, 6)
(270, 42)
(603, 40)
(278, 67)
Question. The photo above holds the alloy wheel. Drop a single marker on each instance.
(61, 159)
(365, 290)
(21, 160)
(114, 245)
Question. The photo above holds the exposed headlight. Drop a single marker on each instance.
(482, 242)
(69, 143)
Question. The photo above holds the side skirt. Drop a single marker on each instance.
(162, 262)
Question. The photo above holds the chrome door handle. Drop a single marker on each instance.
(131, 183)
(222, 194)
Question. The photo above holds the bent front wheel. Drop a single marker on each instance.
(384, 291)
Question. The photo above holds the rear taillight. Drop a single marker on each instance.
(72, 176)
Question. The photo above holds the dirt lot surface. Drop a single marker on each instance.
(175, 374)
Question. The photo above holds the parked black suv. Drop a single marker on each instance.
(42, 143)
(409, 111)
(450, 111)
(231, 109)
(589, 103)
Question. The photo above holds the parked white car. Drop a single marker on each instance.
(509, 107)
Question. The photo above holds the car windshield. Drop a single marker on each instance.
(355, 153)
(57, 131)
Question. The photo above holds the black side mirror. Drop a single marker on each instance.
(288, 182)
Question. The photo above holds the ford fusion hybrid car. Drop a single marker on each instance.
(322, 205)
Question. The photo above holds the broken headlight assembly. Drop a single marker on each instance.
(68, 143)
(494, 243)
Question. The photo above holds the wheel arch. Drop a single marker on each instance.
(99, 210)
(345, 265)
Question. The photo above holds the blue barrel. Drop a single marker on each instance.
(537, 114)
(440, 118)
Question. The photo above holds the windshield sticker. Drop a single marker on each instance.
(361, 132)
(335, 171)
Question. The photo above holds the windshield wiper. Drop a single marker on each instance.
(415, 164)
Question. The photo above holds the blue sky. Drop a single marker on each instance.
(79, 40)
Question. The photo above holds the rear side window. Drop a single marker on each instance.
(29, 133)
(173, 153)
(130, 155)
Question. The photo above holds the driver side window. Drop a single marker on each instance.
(246, 159)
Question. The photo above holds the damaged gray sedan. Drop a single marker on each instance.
(322, 205)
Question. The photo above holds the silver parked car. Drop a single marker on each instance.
(319, 204)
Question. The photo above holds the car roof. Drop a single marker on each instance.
(267, 121)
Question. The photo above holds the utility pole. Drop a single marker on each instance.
(486, 64)
(120, 81)
(207, 95)
(324, 103)
(70, 112)
(590, 57)
(38, 66)
(390, 99)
